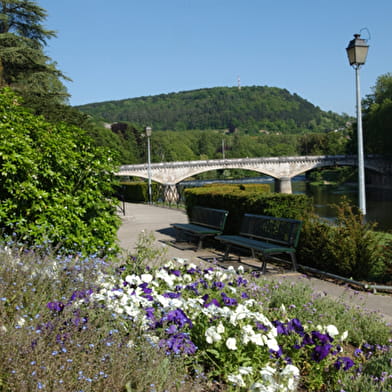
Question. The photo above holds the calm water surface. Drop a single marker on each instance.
(378, 200)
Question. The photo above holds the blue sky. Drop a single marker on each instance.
(130, 48)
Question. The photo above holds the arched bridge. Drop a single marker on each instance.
(283, 169)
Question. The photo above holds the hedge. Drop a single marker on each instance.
(241, 199)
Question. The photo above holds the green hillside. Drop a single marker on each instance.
(248, 109)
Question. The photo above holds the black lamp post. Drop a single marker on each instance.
(357, 50)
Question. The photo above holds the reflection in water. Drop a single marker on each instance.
(378, 200)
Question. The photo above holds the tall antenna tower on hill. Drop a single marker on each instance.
(239, 83)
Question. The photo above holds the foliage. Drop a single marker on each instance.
(349, 247)
(23, 65)
(166, 146)
(251, 108)
(377, 117)
(55, 187)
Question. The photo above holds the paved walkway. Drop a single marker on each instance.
(148, 218)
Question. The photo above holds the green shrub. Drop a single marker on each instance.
(240, 201)
(136, 191)
(133, 192)
(348, 248)
(55, 186)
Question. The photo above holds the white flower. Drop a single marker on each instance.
(290, 370)
(212, 335)
(146, 278)
(180, 260)
(257, 339)
(268, 373)
(133, 279)
(247, 333)
(240, 270)
(220, 328)
(344, 336)
(245, 370)
(21, 322)
(291, 377)
(236, 379)
(331, 330)
(231, 344)
(272, 344)
(259, 387)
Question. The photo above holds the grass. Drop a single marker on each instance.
(89, 346)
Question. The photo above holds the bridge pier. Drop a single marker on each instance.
(170, 193)
(283, 185)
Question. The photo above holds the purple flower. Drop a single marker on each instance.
(241, 281)
(191, 271)
(172, 329)
(307, 340)
(280, 327)
(262, 327)
(212, 302)
(80, 294)
(176, 272)
(296, 325)
(228, 301)
(344, 362)
(178, 344)
(193, 287)
(56, 306)
(320, 352)
(172, 295)
(218, 285)
(178, 317)
(322, 338)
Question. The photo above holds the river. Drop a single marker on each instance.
(378, 200)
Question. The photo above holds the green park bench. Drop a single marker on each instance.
(265, 236)
(203, 222)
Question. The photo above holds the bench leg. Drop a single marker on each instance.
(200, 243)
(294, 261)
(263, 264)
(227, 250)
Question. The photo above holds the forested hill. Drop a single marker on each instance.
(248, 109)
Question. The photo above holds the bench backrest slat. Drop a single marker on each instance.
(277, 230)
(209, 217)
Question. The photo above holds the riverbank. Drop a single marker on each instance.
(157, 220)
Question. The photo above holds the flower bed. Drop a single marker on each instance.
(76, 324)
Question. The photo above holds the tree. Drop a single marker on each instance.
(55, 187)
(23, 64)
(377, 117)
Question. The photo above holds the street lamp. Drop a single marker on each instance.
(148, 134)
(357, 50)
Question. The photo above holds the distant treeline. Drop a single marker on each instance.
(249, 110)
